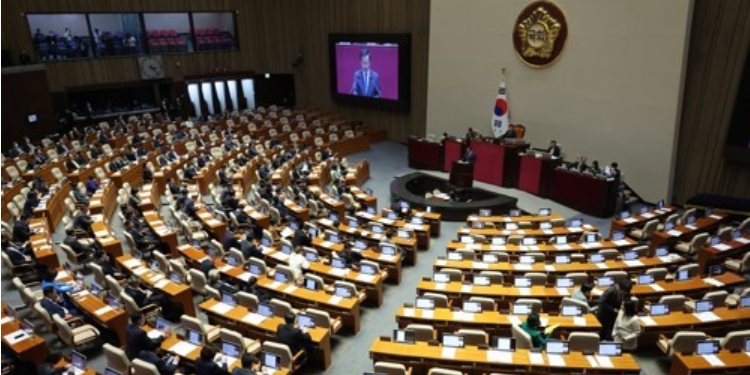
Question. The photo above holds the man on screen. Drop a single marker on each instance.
(366, 82)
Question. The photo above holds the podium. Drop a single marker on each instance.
(462, 174)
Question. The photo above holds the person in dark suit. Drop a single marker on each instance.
(250, 365)
(205, 365)
(301, 238)
(32, 202)
(594, 168)
(140, 296)
(350, 257)
(291, 335)
(16, 253)
(609, 306)
(172, 156)
(92, 185)
(83, 221)
(366, 81)
(190, 208)
(52, 303)
(156, 357)
(162, 160)
(101, 258)
(137, 339)
(72, 241)
(71, 165)
(148, 174)
(48, 366)
(230, 240)
(21, 230)
(469, 157)
(554, 149)
(510, 133)
(249, 248)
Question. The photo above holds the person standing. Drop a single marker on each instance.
(609, 306)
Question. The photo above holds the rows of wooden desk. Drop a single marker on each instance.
(685, 232)
(180, 294)
(547, 248)
(52, 207)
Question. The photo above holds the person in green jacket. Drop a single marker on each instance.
(533, 326)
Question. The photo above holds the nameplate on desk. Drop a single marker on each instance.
(366, 278)
(524, 291)
(656, 287)
(523, 267)
(556, 360)
(335, 300)
(327, 244)
(714, 282)
(221, 308)
(604, 361)
(674, 233)
(253, 319)
(139, 271)
(743, 240)
(103, 310)
(713, 360)
(630, 220)
(440, 286)
(449, 353)
(340, 272)
(549, 268)
(648, 215)
(274, 285)
(548, 231)
(183, 349)
(161, 284)
(290, 289)
(722, 247)
(707, 316)
(536, 359)
(155, 335)
(499, 356)
(579, 321)
(7, 319)
(132, 263)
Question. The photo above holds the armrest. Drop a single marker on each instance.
(77, 322)
(85, 328)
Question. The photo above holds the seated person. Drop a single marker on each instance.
(80, 197)
(48, 366)
(250, 365)
(206, 364)
(510, 133)
(72, 241)
(137, 339)
(533, 326)
(21, 230)
(82, 221)
(32, 202)
(101, 258)
(16, 253)
(142, 297)
(49, 279)
(92, 185)
(52, 303)
(594, 168)
(292, 335)
(163, 362)
(554, 149)
(230, 240)
(249, 248)
(297, 263)
(350, 257)
(583, 293)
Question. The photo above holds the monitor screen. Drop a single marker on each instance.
(645, 279)
(691, 220)
(377, 229)
(498, 241)
(467, 240)
(577, 223)
(441, 278)
(78, 360)
(404, 337)
(311, 284)
(545, 212)
(96, 288)
(662, 251)
(360, 244)
(417, 220)
(155, 266)
(230, 350)
(485, 212)
(490, 258)
(505, 344)
(472, 307)
(354, 223)
(591, 237)
(522, 282)
(194, 337)
(11, 312)
(255, 269)
(371, 210)
(596, 258)
(562, 259)
(747, 344)
(265, 310)
(716, 270)
(137, 254)
(707, 347)
(715, 241)
(453, 341)
(564, 282)
(630, 255)
(617, 236)
(161, 324)
(521, 309)
(610, 349)
(736, 234)
(745, 302)
(271, 361)
(625, 214)
(111, 371)
(529, 241)
(526, 259)
(660, 204)
(306, 321)
(658, 309)
(280, 277)
(334, 238)
(515, 213)
(338, 263)
(392, 215)
(545, 225)
(343, 292)
(311, 256)
(113, 303)
(482, 280)
(367, 269)
(313, 232)
(175, 277)
(683, 275)
(705, 305)
(571, 310)
(511, 226)
(605, 282)
(265, 241)
(477, 225)
(557, 347)
(561, 240)
(668, 226)
(293, 225)
(404, 234)
(286, 249)
(231, 261)
(388, 250)
(455, 256)
(425, 303)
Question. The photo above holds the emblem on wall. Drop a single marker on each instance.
(540, 34)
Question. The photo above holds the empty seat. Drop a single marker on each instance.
(682, 342)
(422, 332)
(587, 342)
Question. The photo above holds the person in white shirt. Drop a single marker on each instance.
(627, 326)
(298, 263)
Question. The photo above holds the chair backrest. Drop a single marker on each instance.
(44, 314)
(389, 368)
(523, 339)
(659, 273)
(474, 337)
(610, 254)
(115, 289)
(130, 306)
(321, 318)
(719, 297)
(567, 301)
(496, 277)
(617, 275)
(422, 332)
(99, 276)
(163, 262)
(144, 368)
(116, 359)
(693, 269)
(735, 340)
(537, 278)
(488, 304)
(286, 271)
(248, 300)
(198, 281)
(584, 342)
(536, 305)
(63, 330)
(319, 283)
(285, 355)
(232, 337)
(281, 308)
(441, 300)
(188, 322)
(579, 278)
(347, 285)
(454, 274)
(685, 341)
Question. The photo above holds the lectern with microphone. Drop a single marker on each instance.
(462, 174)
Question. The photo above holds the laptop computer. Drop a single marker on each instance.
(265, 309)
(545, 212)
(504, 344)
(610, 349)
(306, 321)
(194, 337)
(424, 303)
(482, 280)
(704, 305)
(564, 282)
(571, 310)
(557, 347)
(472, 307)
(453, 341)
(404, 336)
(707, 347)
(521, 309)
(522, 282)
(271, 361)
(659, 309)
(562, 259)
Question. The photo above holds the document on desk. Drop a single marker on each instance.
(340, 272)
(161, 284)
(389, 258)
(480, 266)
(290, 289)
(707, 316)
(327, 244)
(335, 300)
(499, 356)
(536, 359)
(440, 286)
(656, 287)
(524, 291)
(139, 271)
(548, 231)
(534, 248)
(7, 319)
(713, 360)
(592, 361)
(449, 353)
(563, 291)
(154, 334)
(722, 247)
(523, 267)
(287, 232)
(441, 262)
(579, 321)
(365, 278)
(466, 288)
(743, 240)
(556, 360)
(622, 242)
(691, 227)
(427, 314)
(221, 308)
(103, 311)
(409, 312)
(245, 276)
(514, 320)
(253, 319)
(274, 285)
(463, 316)
(16, 337)
(132, 263)
(630, 220)
(674, 233)
(633, 263)
(647, 320)
(549, 268)
(604, 361)
(714, 282)
(563, 247)
(155, 278)
(183, 349)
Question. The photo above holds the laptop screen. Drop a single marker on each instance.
(371, 210)
(367, 269)
(557, 347)
(625, 214)
(360, 244)
(561, 240)
(745, 302)
(280, 277)
(596, 258)
(456, 256)
(175, 277)
(617, 236)
(591, 237)
(265, 310)
(193, 337)
(526, 259)
(660, 204)
(338, 263)
(645, 279)
(441, 278)
(511, 226)
(334, 238)
(425, 303)
(562, 259)
(691, 220)
(377, 229)
(630, 255)
(311, 284)
(306, 321)
(161, 324)
(505, 344)
(747, 344)
(78, 360)
(707, 347)
(265, 241)
(286, 249)
(388, 250)
(404, 337)
(705, 305)
(311, 256)
(453, 341)
(255, 269)
(716, 270)
(232, 261)
(515, 213)
(477, 225)
(662, 251)
(342, 292)
(683, 275)
(522, 282)
(570, 310)
(404, 234)
(545, 225)
(658, 309)
(529, 241)
(577, 223)
(472, 307)
(605, 282)
(482, 280)
(498, 241)
(230, 350)
(610, 349)
(229, 299)
(271, 361)
(354, 223)
(485, 212)
(564, 282)
(715, 241)
(521, 309)
(545, 212)
(490, 258)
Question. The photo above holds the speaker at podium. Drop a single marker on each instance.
(462, 174)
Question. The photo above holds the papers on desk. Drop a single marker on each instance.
(474, 246)
(556, 360)
(466, 288)
(648, 215)
(707, 316)
(274, 285)
(647, 320)
(16, 337)
(427, 314)
(335, 300)
(139, 271)
(523, 267)
(327, 244)
(226, 268)
(366, 278)
(715, 217)
(563, 291)
(326, 222)
(213, 222)
(161, 284)
(221, 308)
(621, 242)
(253, 319)
(579, 321)
(183, 349)
(549, 268)
(713, 360)
(480, 266)
(441, 262)
(154, 334)
(563, 247)
(722, 247)
(714, 282)
(340, 272)
(524, 291)
(155, 278)
(440, 286)
(409, 312)
(592, 361)
(536, 358)
(290, 289)
(387, 221)
(449, 353)
(743, 240)
(463, 316)
(514, 320)
(62, 275)
(412, 226)
(691, 227)
(630, 220)
(604, 361)
(132, 263)
(245, 276)
(633, 263)
(575, 230)
(674, 233)
(499, 356)
(670, 258)
(287, 232)
(7, 319)
(548, 231)
(103, 311)
(591, 245)
(656, 287)
(602, 265)
(389, 258)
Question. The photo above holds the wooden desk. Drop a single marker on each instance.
(32, 349)
(106, 239)
(502, 219)
(546, 248)
(52, 206)
(696, 364)
(585, 193)
(165, 233)
(45, 171)
(132, 174)
(734, 319)
(302, 213)
(638, 221)
(262, 328)
(83, 174)
(537, 233)
(711, 255)
(421, 230)
(214, 226)
(367, 200)
(473, 361)
(445, 320)
(685, 232)
(332, 205)
(469, 267)
(178, 293)
(409, 245)
(424, 154)
(104, 316)
(536, 173)
(41, 244)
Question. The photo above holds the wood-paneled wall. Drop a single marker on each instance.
(271, 33)
(718, 48)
